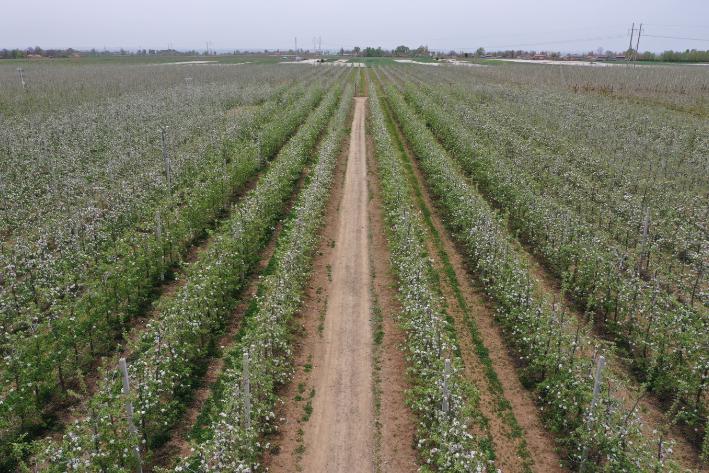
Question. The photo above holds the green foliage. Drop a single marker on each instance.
(444, 441)
(165, 359)
(608, 439)
(122, 280)
(648, 322)
(226, 443)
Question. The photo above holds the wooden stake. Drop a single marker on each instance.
(158, 225)
(643, 249)
(22, 77)
(661, 453)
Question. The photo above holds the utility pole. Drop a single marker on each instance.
(296, 45)
(637, 44)
(632, 31)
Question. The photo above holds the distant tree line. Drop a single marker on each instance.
(689, 55)
(70, 52)
(399, 51)
(36, 51)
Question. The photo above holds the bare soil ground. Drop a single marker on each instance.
(335, 418)
(286, 454)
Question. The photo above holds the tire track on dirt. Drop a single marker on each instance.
(288, 446)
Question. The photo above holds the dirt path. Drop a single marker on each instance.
(330, 426)
(339, 434)
(309, 325)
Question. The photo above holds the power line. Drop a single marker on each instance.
(597, 38)
(676, 37)
(703, 27)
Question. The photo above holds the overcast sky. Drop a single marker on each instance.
(564, 25)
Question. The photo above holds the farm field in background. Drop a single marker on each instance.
(236, 265)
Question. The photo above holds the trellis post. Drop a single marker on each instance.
(158, 235)
(22, 77)
(446, 390)
(166, 158)
(246, 390)
(596, 392)
(129, 409)
(646, 228)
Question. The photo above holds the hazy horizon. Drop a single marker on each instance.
(451, 24)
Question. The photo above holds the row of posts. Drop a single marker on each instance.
(600, 365)
(245, 393)
(445, 406)
(122, 364)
